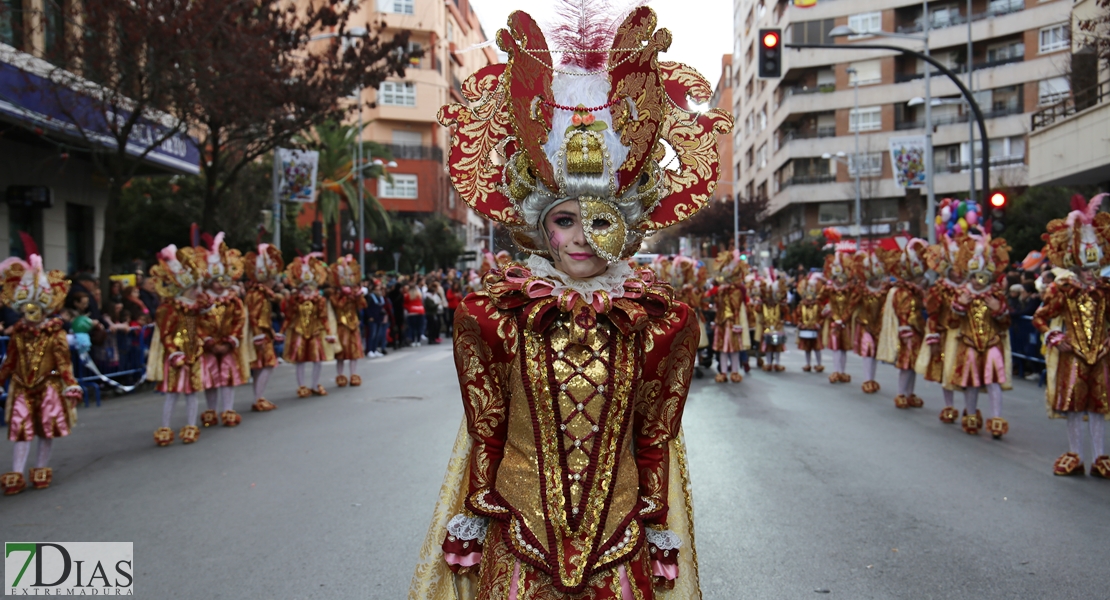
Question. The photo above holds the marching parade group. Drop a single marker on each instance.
(936, 311)
(210, 336)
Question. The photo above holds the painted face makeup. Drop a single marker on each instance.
(566, 240)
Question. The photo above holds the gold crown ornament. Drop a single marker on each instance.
(909, 261)
(982, 258)
(838, 265)
(223, 265)
(178, 270)
(345, 272)
(1082, 240)
(592, 128)
(941, 257)
(810, 287)
(30, 289)
(870, 264)
(265, 265)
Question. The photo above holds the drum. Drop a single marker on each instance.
(774, 339)
(807, 334)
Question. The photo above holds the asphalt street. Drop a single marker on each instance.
(801, 489)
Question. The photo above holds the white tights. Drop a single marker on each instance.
(225, 395)
(315, 374)
(22, 449)
(949, 398)
(971, 399)
(1097, 427)
(773, 358)
(817, 352)
(261, 378)
(840, 360)
(730, 362)
(907, 378)
(869, 366)
(190, 407)
(339, 366)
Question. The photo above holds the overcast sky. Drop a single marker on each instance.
(701, 29)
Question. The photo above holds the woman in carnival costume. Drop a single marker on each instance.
(937, 360)
(176, 351)
(568, 477)
(903, 329)
(807, 317)
(689, 285)
(837, 297)
(730, 332)
(43, 394)
(770, 304)
(223, 329)
(871, 289)
(982, 316)
(263, 269)
(346, 301)
(309, 336)
(1075, 320)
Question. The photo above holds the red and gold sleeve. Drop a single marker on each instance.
(62, 359)
(237, 317)
(482, 363)
(167, 319)
(261, 324)
(934, 301)
(1002, 315)
(904, 307)
(671, 350)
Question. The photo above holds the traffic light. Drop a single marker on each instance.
(998, 203)
(770, 53)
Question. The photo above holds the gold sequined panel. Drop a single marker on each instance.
(577, 379)
(982, 331)
(840, 304)
(1087, 325)
(810, 314)
(871, 306)
(772, 316)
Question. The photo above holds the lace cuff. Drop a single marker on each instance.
(663, 548)
(468, 528)
(663, 539)
(463, 547)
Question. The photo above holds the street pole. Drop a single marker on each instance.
(736, 221)
(855, 160)
(984, 163)
(361, 221)
(930, 196)
(970, 125)
(491, 237)
(277, 201)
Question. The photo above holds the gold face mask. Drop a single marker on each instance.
(33, 312)
(604, 227)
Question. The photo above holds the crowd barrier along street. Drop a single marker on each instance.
(1025, 345)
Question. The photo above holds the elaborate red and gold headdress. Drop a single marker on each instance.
(223, 265)
(730, 266)
(264, 266)
(909, 260)
(1082, 239)
(345, 272)
(306, 271)
(838, 265)
(178, 270)
(30, 289)
(941, 257)
(982, 256)
(593, 129)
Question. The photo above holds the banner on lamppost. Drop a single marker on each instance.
(295, 175)
(907, 160)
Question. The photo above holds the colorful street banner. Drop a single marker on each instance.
(295, 174)
(907, 160)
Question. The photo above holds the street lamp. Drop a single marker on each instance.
(355, 33)
(931, 200)
(855, 156)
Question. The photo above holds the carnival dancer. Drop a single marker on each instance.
(773, 309)
(572, 352)
(937, 360)
(903, 328)
(176, 352)
(836, 297)
(982, 316)
(263, 269)
(807, 317)
(1075, 321)
(689, 286)
(308, 335)
(872, 287)
(43, 394)
(730, 332)
(222, 327)
(346, 301)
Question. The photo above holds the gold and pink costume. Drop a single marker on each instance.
(38, 365)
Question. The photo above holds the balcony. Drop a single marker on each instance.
(806, 180)
(996, 162)
(823, 88)
(808, 134)
(1014, 109)
(1068, 144)
(959, 69)
(406, 152)
(997, 9)
(1067, 107)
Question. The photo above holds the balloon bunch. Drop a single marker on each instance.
(956, 217)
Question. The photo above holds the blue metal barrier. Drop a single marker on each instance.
(1025, 345)
(132, 348)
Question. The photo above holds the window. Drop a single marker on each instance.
(397, 93)
(749, 155)
(450, 31)
(11, 24)
(404, 137)
(872, 164)
(867, 71)
(829, 213)
(761, 155)
(944, 16)
(1054, 38)
(404, 7)
(868, 118)
(865, 23)
(403, 186)
(883, 210)
(1051, 91)
(1008, 51)
(763, 118)
(812, 32)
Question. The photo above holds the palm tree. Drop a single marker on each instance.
(337, 144)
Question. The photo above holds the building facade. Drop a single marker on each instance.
(794, 139)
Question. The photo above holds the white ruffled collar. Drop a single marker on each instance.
(611, 281)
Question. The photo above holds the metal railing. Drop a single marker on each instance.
(806, 180)
(960, 68)
(1067, 107)
(1001, 161)
(997, 9)
(1015, 109)
(806, 134)
(797, 90)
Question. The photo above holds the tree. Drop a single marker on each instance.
(1094, 32)
(441, 247)
(809, 254)
(120, 107)
(715, 222)
(1027, 215)
(264, 79)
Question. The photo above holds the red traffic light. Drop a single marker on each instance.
(770, 39)
(998, 200)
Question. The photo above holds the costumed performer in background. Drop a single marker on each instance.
(730, 331)
(263, 270)
(223, 331)
(836, 297)
(346, 301)
(871, 289)
(903, 328)
(807, 318)
(309, 337)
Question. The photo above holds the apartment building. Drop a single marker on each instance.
(403, 116)
(794, 139)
